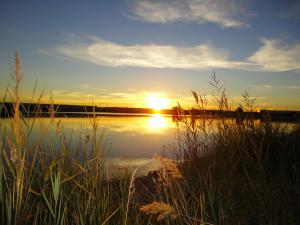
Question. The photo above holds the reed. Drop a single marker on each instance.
(239, 171)
(44, 183)
(222, 171)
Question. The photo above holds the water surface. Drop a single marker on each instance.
(130, 141)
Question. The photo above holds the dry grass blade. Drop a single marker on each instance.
(195, 96)
(130, 193)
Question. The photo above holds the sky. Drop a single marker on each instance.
(118, 53)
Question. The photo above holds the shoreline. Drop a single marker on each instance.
(47, 110)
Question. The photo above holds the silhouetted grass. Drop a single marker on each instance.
(224, 171)
(246, 171)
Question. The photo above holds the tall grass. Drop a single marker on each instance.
(245, 171)
(44, 183)
(223, 171)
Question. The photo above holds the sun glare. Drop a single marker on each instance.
(157, 102)
(157, 122)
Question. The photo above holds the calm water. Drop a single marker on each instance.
(130, 141)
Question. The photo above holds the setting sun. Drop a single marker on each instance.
(157, 102)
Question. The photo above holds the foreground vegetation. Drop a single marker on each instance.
(237, 171)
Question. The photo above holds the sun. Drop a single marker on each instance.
(157, 102)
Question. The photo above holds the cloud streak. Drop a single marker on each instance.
(226, 13)
(272, 56)
(101, 52)
(275, 55)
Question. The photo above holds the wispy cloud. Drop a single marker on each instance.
(104, 97)
(226, 13)
(268, 86)
(275, 55)
(101, 52)
(294, 87)
(262, 86)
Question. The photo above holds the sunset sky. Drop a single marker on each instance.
(119, 53)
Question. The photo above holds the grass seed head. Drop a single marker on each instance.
(169, 167)
(160, 209)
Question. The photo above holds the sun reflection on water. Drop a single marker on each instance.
(157, 123)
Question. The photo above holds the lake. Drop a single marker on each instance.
(130, 141)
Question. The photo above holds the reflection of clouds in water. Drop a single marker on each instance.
(143, 165)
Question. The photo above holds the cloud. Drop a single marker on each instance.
(263, 86)
(273, 55)
(277, 56)
(268, 86)
(226, 13)
(294, 87)
(105, 97)
(101, 52)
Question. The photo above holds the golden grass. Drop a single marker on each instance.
(169, 168)
(160, 209)
(240, 173)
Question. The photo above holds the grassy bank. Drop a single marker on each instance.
(225, 171)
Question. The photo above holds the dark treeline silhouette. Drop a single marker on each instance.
(48, 110)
